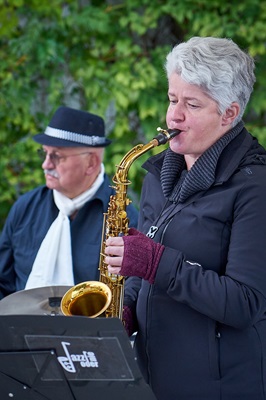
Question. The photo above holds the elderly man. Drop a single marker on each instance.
(52, 235)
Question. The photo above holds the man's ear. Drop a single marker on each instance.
(231, 113)
(93, 162)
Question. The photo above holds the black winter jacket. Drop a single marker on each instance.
(202, 324)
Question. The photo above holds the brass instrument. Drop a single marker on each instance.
(105, 298)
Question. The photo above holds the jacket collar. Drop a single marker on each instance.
(242, 150)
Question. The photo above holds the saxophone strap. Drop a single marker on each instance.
(169, 212)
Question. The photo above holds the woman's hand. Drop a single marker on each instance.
(133, 255)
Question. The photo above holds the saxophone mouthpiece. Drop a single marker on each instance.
(165, 135)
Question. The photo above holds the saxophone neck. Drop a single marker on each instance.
(163, 137)
(123, 167)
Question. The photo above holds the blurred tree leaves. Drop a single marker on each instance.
(105, 57)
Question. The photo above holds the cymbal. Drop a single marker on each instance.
(38, 301)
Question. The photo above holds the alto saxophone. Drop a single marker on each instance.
(105, 297)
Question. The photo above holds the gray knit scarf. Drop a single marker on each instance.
(178, 184)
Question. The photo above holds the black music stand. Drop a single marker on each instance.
(70, 358)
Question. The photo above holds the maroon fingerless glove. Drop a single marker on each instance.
(141, 256)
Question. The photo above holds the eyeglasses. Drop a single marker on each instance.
(55, 158)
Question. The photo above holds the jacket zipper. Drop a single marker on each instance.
(149, 308)
(218, 344)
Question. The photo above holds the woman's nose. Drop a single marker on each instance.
(176, 113)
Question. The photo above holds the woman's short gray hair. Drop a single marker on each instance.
(218, 66)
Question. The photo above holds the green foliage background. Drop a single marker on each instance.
(105, 57)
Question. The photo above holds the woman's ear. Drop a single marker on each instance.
(231, 113)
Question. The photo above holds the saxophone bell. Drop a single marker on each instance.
(88, 299)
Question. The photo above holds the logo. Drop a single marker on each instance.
(86, 359)
(152, 231)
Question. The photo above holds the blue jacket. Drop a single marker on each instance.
(202, 324)
(27, 224)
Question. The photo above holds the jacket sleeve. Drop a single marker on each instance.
(7, 274)
(236, 297)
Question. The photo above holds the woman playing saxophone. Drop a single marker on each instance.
(196, 287)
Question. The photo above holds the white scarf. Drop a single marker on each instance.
(53, 263)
